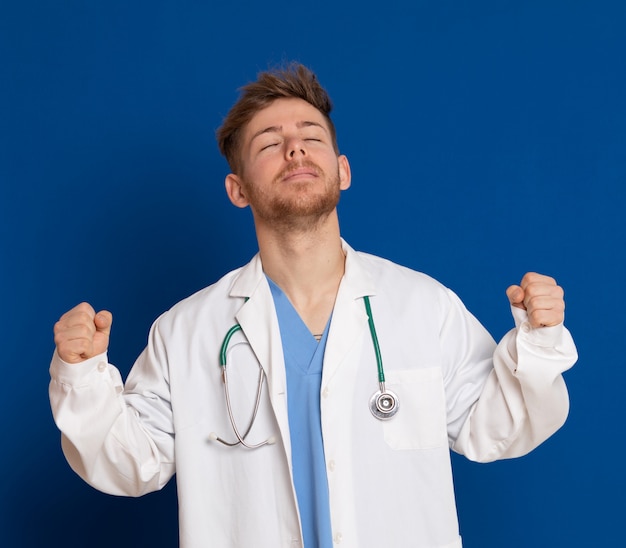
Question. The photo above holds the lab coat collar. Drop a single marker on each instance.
(356, 279)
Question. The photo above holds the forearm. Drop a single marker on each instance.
(103, 438)
(524, 400)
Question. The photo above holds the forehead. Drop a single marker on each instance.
(282, 113)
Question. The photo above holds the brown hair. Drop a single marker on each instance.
(290, 81)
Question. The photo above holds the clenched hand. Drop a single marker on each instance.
(541, 297)
(81, 334)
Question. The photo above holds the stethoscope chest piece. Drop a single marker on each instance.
(384, 405)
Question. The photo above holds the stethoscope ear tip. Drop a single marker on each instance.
(212, 436)
(271, 440)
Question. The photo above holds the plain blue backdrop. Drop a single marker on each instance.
(487, 138)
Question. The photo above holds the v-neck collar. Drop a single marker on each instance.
(300, 347)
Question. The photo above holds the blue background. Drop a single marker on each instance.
(486, 138)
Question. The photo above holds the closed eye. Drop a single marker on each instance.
(269, 146)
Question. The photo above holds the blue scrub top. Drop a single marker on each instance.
(303, 362)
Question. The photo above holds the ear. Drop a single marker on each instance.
(345, 177)
(235, 191)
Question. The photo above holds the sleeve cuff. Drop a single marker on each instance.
(75, 373)
(544, 337)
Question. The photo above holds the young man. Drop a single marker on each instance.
(365, 373)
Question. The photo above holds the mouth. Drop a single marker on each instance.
(300, 172)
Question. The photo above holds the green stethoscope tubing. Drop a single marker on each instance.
(383, 403)
(379, 357)
(226, 342)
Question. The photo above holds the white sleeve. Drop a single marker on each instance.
(115, 445)
(524, 400)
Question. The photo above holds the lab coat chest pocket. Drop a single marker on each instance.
(421, 419)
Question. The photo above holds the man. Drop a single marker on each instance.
(341, 450)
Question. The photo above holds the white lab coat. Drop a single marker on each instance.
(390, 483)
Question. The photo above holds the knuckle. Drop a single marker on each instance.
(84, 319)
(535, 277)
(58, 328)
(85, 331)
(531, 290)
(84, 307)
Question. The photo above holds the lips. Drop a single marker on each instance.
(302, 171)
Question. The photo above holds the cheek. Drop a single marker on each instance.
(259, 166)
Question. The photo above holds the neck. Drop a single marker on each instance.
(307, 265)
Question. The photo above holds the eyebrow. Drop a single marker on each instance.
(278, 129)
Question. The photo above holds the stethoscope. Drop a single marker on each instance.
(383, 404)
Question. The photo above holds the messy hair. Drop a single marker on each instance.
(290, 81)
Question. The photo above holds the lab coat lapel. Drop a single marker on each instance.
(259, 324)
(349, 321)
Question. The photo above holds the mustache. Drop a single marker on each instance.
(299, 165)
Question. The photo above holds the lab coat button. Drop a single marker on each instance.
(525, 327)
(337, 538)
(325, 393)
(102, 367)
(331, 465)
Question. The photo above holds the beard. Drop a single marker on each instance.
(302, 207)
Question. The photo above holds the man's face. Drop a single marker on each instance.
(291, 174)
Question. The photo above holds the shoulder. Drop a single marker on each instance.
(217, 290)
(385, 271)
(200, 307)
(403, 289)
(406, 294)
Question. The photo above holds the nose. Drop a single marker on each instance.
(295, 147)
